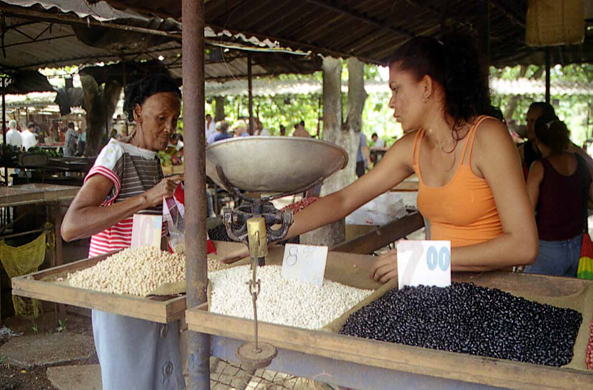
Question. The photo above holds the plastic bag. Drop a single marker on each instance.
(174, 215)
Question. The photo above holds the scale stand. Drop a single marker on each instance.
(269, 166)
(252, 223)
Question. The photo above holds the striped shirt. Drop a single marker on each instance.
(132, 171)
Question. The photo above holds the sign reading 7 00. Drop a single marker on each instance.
(424, 262)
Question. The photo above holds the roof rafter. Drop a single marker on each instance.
(367, 19)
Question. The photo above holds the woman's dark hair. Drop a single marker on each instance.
(546, 108)
(552, 132)
(454, 63)
(138, 92)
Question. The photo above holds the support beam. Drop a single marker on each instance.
(195, 184)
(363, 18)
(4, 124)
(548, 55)
(250, 92)
(512, 16)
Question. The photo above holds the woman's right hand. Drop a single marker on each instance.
(165, 188)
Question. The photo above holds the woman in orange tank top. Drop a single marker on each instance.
(471, 184)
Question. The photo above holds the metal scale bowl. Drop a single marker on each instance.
(277, 167)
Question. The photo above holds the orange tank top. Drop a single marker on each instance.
(463, 211)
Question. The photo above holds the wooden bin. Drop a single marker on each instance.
(563, 292)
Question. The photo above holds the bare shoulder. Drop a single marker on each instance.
(492, 136)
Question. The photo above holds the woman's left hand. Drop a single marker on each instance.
(385, 267)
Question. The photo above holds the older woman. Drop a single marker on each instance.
(127, 179)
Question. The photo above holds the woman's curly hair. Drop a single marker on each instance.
(138, 92)
(454, 63)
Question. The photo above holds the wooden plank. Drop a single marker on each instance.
(44, 285)
(414, 360)
(382, 236)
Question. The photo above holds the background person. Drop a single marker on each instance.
(224, 132)
(70, 142)
(134, 354)
(13, 136)
(28, 136)
(559, 185)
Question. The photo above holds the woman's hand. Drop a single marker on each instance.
(165, 188)
(385, 267)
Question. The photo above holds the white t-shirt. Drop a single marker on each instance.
(210, 129)
(29, 139)
(380, 143)
(14, 138)
(264, 133)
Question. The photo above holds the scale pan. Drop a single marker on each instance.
(272, 164)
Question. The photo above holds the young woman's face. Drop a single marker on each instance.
(158, 119)
(406, 98)
(532, 115)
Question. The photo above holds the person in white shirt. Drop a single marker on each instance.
(210, 127)
(259, 128)
(212, 136)
(13, 137)
(378, 142)
(28, 136)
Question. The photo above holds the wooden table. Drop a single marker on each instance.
(26, 194)
(368, 364)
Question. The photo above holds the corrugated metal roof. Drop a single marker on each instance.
(266, 87)
(32, 43)
(371, 29)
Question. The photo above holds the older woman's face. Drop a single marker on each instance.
(157, 118)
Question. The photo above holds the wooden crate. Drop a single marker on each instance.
(564, 292)
(46, 286)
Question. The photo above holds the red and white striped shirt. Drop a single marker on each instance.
(132, 171)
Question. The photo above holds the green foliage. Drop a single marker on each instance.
(574, 110)
(63, 325)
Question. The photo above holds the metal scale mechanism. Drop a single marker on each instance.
(276, 167)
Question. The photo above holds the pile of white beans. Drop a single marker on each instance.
(135, 271)
(281, 301)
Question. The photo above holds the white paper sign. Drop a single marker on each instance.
(146, 230)
(424, 262)
(305, 263)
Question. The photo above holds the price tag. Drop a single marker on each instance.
(424, 262)
(146, 230)
(305, 263)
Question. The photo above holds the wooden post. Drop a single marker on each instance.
(250, 92)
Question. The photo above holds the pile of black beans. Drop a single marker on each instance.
(470, 319)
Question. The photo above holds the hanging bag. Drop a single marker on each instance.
(585, 270)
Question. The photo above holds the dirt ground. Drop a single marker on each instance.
(16, 378)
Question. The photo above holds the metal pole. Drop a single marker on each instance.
(195, 183)
(250, 91)
(4, 123)
(548, 64)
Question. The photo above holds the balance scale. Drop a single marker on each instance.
(278, 167)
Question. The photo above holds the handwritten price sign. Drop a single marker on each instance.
(305, 263)
(424, 262)
(146, 230)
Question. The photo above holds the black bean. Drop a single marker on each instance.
(470, 319)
